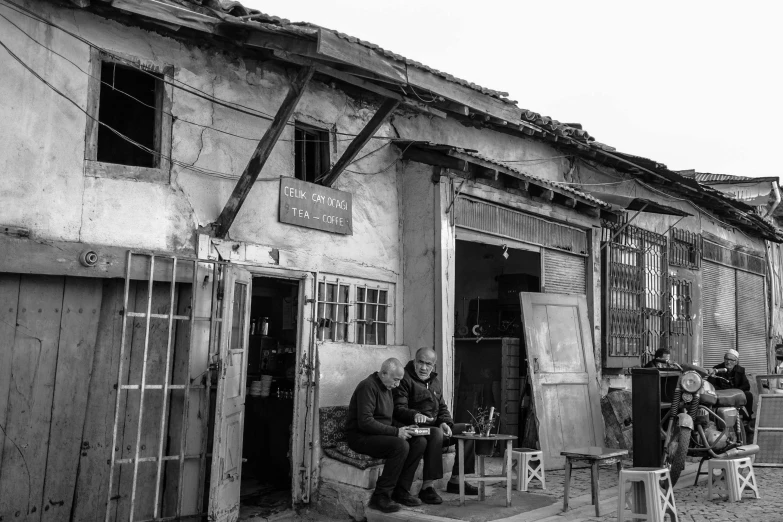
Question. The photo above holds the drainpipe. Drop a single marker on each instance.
(774, 206)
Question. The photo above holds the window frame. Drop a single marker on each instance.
(353, 322)
(323, 162)
(163, 122)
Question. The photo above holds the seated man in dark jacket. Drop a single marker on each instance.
(734, 378)
(369, 431)
(419, 399)
(661, 360)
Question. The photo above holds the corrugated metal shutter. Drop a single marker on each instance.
(751, 323)
(720, 317)
(563, 273)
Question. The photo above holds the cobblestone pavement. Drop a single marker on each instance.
(693, 506)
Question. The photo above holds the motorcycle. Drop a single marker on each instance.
(702, 421)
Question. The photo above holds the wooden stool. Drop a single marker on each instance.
(736, 482)
(524, 458)
(659, 500)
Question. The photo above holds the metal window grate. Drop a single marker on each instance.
(636, 290)
(372, 315)
(333, 310)
(172, 348)
(680, 323)
(684, 249)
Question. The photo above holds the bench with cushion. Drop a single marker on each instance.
(341, 464)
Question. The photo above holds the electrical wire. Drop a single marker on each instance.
(173, 116)
(173, 82)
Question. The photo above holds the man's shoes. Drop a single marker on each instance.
(405, 498)
(470, 489)
(430, 496)
(383, 503)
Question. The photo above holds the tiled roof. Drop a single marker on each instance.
(536, 179)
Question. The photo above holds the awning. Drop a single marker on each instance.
(620, 202)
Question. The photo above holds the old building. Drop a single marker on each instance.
(215, 222)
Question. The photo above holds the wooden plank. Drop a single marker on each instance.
(9, 299)
(35, 256)
(93, 473)
(78, 330)
(379, 118)
(93, 106)
(457, 93)
(332, 47)
(262, 152)
(170, 13)
(433, 158)
(33, 363)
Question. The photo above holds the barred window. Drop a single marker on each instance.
(684, 249)
(333, 309)
(372, 312)
(345, 302)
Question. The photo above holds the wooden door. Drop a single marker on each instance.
(509, 386)
(562, 372)
(230, 406)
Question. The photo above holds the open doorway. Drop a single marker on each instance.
(271, 368)
(490, 367)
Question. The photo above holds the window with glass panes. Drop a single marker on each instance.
(372, 315)
(354, 311)
(333, 310)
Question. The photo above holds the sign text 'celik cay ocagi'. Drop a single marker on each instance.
(314, 206)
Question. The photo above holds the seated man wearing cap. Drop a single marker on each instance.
(734, 378)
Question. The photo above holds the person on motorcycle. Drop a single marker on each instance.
(734, 378)
(661, 360)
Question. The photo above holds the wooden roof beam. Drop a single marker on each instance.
(359, 82)
(262, 152)
(434, 158)
(361, 140)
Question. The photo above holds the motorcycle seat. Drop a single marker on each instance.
(732, 397)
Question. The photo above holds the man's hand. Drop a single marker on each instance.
(446, 429)
(403, 433)
(420, 418)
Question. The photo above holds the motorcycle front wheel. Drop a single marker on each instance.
(675, 453)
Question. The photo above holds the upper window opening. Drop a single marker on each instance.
(130, 103)
(311, 153)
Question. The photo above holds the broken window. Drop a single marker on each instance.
(311, 153)
(129, 120)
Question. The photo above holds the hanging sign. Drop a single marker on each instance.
(315, 206)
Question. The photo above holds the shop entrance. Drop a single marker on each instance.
(267, 476)
(490, 367)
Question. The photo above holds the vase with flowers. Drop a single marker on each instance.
(483, 423)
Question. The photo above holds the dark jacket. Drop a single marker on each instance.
(736, 377)
(414, 396)
(370, 410)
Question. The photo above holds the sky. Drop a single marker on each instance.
(693, 85)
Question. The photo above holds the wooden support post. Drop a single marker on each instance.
(383, 113)
(570, 202)
(547, 194)
(262, 152)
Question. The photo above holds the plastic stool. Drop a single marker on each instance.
(524, 458)
(659, 500)
(736, 482)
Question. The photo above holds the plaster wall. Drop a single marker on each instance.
(48, 192)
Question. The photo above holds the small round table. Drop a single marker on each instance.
(482, 478)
